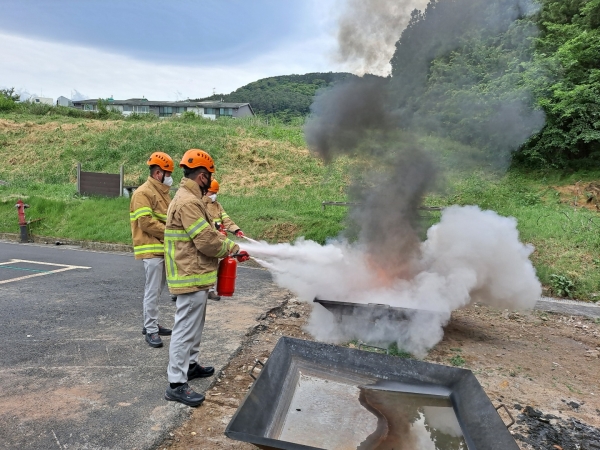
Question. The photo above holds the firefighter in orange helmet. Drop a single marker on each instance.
(192, 250)
(148, 215)
(221, 220)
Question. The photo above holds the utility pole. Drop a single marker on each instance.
(214, 91)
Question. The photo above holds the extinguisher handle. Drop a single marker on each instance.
(241, 256)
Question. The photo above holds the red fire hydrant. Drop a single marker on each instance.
(22, 220)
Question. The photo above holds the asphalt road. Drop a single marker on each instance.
(75, 370)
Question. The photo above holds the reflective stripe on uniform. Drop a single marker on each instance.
(144, 211)
(177, 235)
(170, 253)
(173, 279)
(193, 280)
(226, 248)
(224, 216)
(148, 248)
(159, 216)
(194, 229)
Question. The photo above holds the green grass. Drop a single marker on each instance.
(271, 186)
(457, 361)
(392, 349)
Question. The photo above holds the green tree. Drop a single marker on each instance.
(569, 49)
(10, 94)
(8, 99)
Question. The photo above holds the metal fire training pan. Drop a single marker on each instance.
(259, 419)
(372, 312)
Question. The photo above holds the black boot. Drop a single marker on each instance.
(184, 394)
(154, 340)
(197, 371)
(161, 331)
(212, 295)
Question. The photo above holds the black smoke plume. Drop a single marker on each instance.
(377, 120)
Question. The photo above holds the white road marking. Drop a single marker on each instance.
(20, 369)
(57, 441)
(64, 268)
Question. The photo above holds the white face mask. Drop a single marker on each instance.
(168, 181)
(213, 197)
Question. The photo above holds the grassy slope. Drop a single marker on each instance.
(272, 187)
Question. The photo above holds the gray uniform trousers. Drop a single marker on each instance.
(155, 283)
(187, 333)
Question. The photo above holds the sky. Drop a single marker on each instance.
(161, 49)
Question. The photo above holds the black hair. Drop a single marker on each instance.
(193, 173)
(154, 167)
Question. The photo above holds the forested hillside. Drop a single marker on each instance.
(465, 68)
(284, 97)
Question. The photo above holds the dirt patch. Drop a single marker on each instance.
(581, 195)
(61, 404)
(547, 362)
(281, 232)
(535, 359)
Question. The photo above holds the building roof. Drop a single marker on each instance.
(145, 102)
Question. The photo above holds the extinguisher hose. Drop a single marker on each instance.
(245, 237)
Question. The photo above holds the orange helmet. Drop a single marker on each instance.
(197, 158)
(214, 186)
(162, 160)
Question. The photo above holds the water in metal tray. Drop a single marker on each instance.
(336, 414)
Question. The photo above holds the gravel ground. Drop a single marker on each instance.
(542, 366)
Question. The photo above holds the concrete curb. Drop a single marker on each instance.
(570, 307)
(89, 245)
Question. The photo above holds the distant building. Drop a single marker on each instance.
(210, 110)
(46, 100)
(63, 101)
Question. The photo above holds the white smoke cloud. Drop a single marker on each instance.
(470, 255)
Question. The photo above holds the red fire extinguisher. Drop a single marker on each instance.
(226, 276)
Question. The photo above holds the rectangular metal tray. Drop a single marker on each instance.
(271, 411)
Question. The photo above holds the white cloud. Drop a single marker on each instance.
(56, 69)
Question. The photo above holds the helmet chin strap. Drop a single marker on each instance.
(205, 187)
